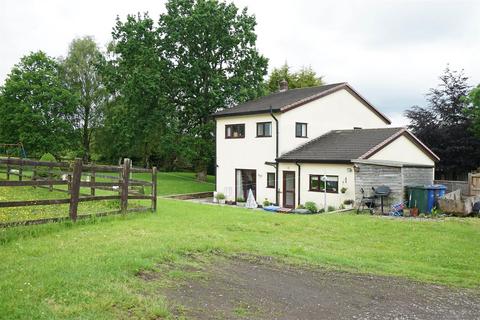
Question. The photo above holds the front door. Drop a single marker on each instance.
(289, 189)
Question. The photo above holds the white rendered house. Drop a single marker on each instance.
(284, 145)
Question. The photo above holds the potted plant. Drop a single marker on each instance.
(343, 190)
(220, 198)
(266, 203)
(241, 202)
(348, 203)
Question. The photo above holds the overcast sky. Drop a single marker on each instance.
(390, 51)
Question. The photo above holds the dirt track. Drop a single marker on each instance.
(242, 289)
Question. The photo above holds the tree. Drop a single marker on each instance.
(138, 113)
(474, 110)
(213, 64)
(305, 77)
(81, 74)
(444, 126)
(36, 106)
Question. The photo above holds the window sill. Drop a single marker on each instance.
(321, 191)
(263, 136)
(234, 137)
(301, 137)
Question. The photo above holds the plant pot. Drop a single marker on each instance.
(221, 201)
(241, 204)
(414, 212)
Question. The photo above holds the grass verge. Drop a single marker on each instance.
(90, 270)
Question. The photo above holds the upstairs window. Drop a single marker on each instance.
(317, 183)
(300, 130)
(264, 129)
(234, 131)
(270, 180)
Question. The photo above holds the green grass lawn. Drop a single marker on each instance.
(88, 270)
(171, 183)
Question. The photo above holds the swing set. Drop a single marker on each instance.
(13, 150)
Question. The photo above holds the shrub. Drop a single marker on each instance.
(48, 157)
(220, 196)
(300, 206)
(348, 202)
(240, 199)
(311, 206)
(331, 208)
(266, 203)
(43, 171)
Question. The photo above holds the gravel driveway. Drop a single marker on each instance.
(261, 289)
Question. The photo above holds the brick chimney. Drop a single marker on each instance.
(283, 85)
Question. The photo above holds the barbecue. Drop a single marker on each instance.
(382, 192)
(370, 201)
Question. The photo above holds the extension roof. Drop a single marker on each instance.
(343, 146)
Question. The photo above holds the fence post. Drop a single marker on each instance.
(92, 181)
(34, 174)
(125, 180)
(154, 189)
(8, 168)
(75, 188)
(20, 172)
(50, 177)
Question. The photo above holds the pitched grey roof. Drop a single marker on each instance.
(342, 145)
(286, 100)
(276, 100)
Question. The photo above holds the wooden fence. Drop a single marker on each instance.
(50, 175)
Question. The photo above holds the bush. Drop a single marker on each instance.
(331, 208)
(48, 157)
(311, 206)
(300, 206)
(43, 171)
(348, 202)
(240, 199)
(220, 196)
(266, 203)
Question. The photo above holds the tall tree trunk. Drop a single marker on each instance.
(86, 135)
(201, 171)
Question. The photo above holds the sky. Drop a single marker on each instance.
(391, 52)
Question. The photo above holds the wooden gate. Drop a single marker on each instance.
(474, 184)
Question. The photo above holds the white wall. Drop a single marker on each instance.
(339, 110)
(345, 175)
(247, 153)
(403, 150)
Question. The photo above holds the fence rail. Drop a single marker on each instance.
(47, 174)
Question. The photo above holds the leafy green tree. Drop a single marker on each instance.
(305, 77)
(474, 110)
(36, 106)
(80, 69)
(138, 113)
(444, 126)
(213, 64)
